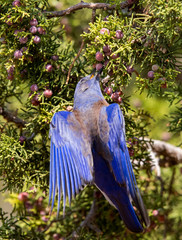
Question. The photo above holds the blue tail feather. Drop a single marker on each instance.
(118, 195)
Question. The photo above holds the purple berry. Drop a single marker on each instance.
(105, 89)
(23, 196)
(23, 73)
(45, 219)
(22, 139)
(23, 40)
(35, 100)
(106, 49)
(131, 1)
(41, 30)
(120, 93)
(106, 62)
(10, 76)
(150, 74)
(109, 91)
(18, 54)
(55, 58)
(164, 85)
(23, 49)
(155, 213)
(115, 96)
(99, 56)
(49, 67)
(114, 56)
(56, 236)
(106, 18)
(11, 70)
(17, 31)
(35, 103)
(155, 67)
(108, 53)
(33, 22)
(104, 30)
(16, 3)
(131, 152)
(119, 34)
(34, 88)
(36, 39)
(48, 93)
(98, 66)
(33, 29)
(28, 206)
(42, 213)
(119, 100)
(129, 69)
(111, 73)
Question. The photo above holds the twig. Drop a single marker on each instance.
(93, 15)
(172, 155)
(50, 224)
(56, 220)
(86, 222)
(10, 117)
(81, 5)
(71, 66)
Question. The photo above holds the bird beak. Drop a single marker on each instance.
(98, 74)
(93, 74)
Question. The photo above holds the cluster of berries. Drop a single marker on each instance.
(107, 53)
(36, 98)
(151, 75)
(115, 96)
(33, 33)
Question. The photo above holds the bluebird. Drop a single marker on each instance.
(88, 147)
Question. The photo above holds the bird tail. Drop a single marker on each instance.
(116, 195)
(126, 211)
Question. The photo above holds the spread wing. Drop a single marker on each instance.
(120, 164)
(70, 157)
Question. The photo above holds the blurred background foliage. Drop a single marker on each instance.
(144, 78)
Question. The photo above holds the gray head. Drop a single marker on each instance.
(88, 90)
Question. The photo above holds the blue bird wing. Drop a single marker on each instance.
(119, 161)
(71, 160)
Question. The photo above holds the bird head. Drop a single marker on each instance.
(88, 89)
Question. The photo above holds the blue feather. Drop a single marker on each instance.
(71, 173)
(68, 187)
(118, 195)
(54, 176)
(75, 172)
(58, 178)
(63, 179)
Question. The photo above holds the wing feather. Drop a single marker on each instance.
(70, 158)
(120, 165)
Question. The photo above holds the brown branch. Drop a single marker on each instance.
(171, 155)
(93, 15)
(92, 6)
(10, 117)
(71, 66)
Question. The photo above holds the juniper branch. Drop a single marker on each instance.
(93, 6)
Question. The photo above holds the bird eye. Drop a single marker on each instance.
(83, 80)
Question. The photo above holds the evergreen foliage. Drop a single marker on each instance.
(143, 47)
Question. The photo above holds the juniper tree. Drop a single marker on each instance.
(137, 43)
